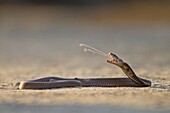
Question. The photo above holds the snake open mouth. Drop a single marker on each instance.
(114, 59)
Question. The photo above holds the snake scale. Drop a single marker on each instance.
(55, 82)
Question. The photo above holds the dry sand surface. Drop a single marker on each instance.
(33, 51)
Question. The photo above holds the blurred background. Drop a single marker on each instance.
(41, 38)
(48, 30)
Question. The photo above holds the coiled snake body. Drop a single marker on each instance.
(56, 82)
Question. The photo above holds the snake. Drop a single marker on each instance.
(132, 79)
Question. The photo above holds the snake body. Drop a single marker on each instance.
(56, 82)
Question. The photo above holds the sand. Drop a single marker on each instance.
(40, 49)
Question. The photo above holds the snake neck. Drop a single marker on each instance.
(131, 74)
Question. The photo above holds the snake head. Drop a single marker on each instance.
(114, 59)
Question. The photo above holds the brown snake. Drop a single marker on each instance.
(56, 82)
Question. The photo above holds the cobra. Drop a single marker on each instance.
(132, 79)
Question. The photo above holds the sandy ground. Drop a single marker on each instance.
(34, 50)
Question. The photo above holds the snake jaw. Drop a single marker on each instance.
(114, 59)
